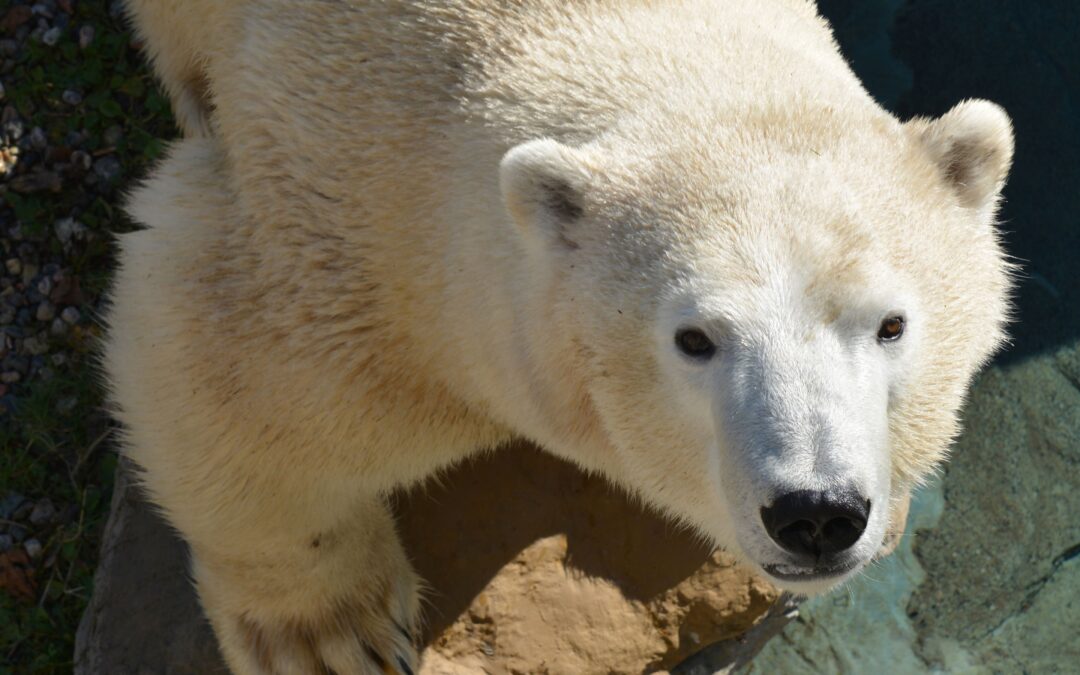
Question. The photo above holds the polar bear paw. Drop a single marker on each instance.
(348, 638)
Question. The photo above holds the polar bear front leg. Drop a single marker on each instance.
(340, 600)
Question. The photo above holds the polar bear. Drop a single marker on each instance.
(674, 242)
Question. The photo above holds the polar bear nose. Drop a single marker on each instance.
(814, 523)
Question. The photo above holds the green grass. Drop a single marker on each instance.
(45, 452)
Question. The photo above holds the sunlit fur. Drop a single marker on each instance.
(399, 232)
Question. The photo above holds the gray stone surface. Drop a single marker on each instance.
(143, 617)
(1002, 570)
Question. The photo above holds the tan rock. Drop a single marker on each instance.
(536, 568)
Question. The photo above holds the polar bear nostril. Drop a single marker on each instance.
(814, 523)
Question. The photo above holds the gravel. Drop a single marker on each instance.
(86, 36)
(66, 143)
(107, 168)
(52, 36)
(43, 513)
(70, 315)
(79, 117)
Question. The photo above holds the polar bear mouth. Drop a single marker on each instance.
(789, 573)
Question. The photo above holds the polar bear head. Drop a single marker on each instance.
(776, 320)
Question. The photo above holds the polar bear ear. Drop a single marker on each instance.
(972, 145)
(543, 184)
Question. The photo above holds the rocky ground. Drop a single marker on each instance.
(79, 118)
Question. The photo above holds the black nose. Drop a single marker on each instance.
(813, 523)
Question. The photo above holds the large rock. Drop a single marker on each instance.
(534, 568)
(1002, 584)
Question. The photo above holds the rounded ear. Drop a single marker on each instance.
(972, 146)
(542, 183)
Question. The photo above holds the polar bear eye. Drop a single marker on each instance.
(694, 343)
(891, 329)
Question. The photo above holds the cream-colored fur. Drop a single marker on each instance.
(401, 232)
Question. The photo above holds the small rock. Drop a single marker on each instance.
(65, 405)
(45, 311)
(42, 9)
(13, 127)
(8, 158)
(113, 134)
(29, 271)
(58, 359)
(52, 36)
(43, 512)
(23, 511)
(36, 345)
(86, 36)
(68, 230)
(67, 291)
(18, 533)
(107, 168)
(44, 285)
(71, 97)
(15, 17)
(7, 314)
(38, 138)
(19, 364)
(71, 315)
(37, 181)
(10, 377)
(10, 504)
(13, 266)
(7, 542)
(58, 154)
(33, 548)
(57, 329)
(81, 160)
(28, 251)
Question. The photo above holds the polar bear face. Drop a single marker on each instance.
(777, 323)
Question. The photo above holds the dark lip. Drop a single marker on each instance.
(813, 574)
